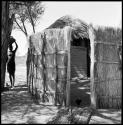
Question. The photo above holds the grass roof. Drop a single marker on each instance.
(79, 27)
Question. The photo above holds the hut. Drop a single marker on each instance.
(67, 49)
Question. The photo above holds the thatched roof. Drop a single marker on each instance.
(79, 27)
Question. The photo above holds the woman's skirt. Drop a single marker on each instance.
(11, 67)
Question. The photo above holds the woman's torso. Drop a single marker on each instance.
(11, 57)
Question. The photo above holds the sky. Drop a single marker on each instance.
(97, 13)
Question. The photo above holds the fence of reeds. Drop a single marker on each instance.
(48, 66)
(107, 72)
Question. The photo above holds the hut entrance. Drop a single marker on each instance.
(80, 72)
(80, 50)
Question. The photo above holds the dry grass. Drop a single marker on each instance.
(108, 34)
(76, 116)
(107, 73)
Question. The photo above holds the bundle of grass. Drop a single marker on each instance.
(77, 116)
(62, 117)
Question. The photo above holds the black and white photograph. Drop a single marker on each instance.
(61, 62)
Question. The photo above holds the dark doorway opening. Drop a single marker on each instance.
(82, 44)
(80, 72)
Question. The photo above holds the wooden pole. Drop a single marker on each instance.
(92, 85)
(68, 77)
(4, 40)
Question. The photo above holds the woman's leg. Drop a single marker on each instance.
(13, 74)
(13, 79)
(10, 77)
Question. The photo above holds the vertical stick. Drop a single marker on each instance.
(27, 67)
(28, 63)
(56, 94)
(68, 77)
(92, 86)
(32, 69)
(44, 68)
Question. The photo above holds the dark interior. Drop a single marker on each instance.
(83, 42)
(80, 90)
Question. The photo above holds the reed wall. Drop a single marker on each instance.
(48, 66)
(107, 75)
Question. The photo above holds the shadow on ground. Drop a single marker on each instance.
(106, 116)
(80, 90)
(18, 106)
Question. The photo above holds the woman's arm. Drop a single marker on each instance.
(16, 47)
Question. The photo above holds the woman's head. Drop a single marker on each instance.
(11, 40)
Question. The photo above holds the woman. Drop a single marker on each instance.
(11, 60)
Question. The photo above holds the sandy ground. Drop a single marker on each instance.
(106, 116)
(18, 106)
(80, 90)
